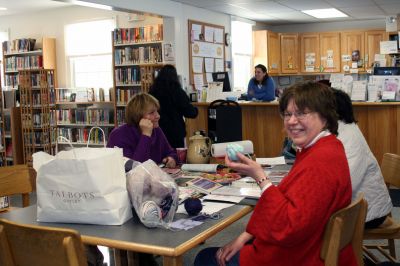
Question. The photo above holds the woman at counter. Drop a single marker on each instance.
(288, 222)
(261, 87)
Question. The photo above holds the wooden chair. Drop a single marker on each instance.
(24, 245)
(345, 227)
(14, 180)
(390, 229)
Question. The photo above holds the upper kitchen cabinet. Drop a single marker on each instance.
(266, 50)
(352, 46)
(289, 53)
(309, 52)
(330, 51)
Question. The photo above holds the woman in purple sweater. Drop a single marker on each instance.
(141, 138)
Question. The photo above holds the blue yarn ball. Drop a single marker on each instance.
(193, 206)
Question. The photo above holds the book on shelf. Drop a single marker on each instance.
(139, 34)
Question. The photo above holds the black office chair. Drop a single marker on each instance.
(224, 121)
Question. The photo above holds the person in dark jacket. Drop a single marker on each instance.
(174, 105)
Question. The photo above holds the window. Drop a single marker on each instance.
(242, 53)
(88, 50)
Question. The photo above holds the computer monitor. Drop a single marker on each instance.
(387, 71)
(222, 77)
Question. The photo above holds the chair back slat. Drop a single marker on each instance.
(391, 169)
(40, 245)
(345, 227)
(14, 180)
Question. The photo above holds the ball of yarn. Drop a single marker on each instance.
(193, 206)
(232, 149)
(150, 214)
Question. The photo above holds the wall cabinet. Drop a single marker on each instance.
(352, 46)
(372, 46)
(329, 44)
(289, 53)
(309, 53)
(266, 50)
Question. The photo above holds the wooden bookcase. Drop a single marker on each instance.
(37, 112)
(137, 56)
(76, 115)
(2, 133)
(21, 54)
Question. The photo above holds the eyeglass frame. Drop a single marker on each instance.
(299, 115)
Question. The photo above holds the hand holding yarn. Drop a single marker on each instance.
(232, 149)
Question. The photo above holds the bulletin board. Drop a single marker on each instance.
(206, 52)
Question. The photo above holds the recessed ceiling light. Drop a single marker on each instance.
(325, 13)
(3, 8)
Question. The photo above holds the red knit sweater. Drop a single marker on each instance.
(289, 220)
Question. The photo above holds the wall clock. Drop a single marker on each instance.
(227, 39)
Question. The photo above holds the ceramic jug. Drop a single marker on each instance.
(198, 149)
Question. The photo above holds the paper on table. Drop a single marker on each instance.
(247, 192)
(271, 161)
(233, 199)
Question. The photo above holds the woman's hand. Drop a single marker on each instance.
(146, 126)
(246, 166)
(225, 253)
(169, 162)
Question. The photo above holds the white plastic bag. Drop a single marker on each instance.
(153, 193)
(82, 185)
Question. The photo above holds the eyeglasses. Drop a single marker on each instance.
(299, 115)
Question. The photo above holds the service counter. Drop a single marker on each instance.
(262, 124)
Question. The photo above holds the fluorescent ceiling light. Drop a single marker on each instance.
(89, 4)
(325, 13)
(3, 8)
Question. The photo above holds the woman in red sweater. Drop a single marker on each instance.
(288, 222)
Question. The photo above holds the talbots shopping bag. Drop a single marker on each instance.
(82, 185)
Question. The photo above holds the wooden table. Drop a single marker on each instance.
(133, 236)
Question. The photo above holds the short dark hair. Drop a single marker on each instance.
(313, 96)
(344, 107)
(137, 107)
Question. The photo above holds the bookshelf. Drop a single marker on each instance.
(76, 114)
(137, 56)
(21, 54)
(2, 133)
(37, 112)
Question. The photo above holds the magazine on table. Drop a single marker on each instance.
(203, 185)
